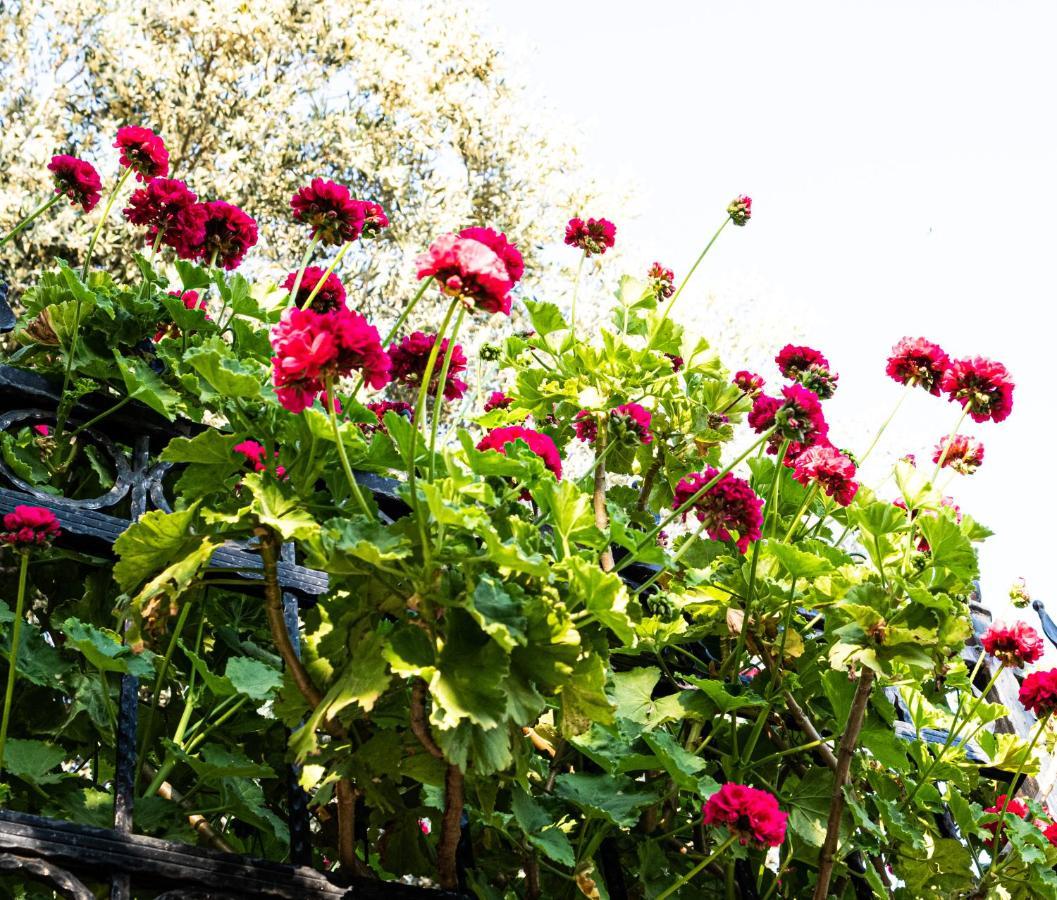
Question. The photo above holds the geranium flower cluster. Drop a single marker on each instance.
(160, 205)
(143, 152)
(497, 400)
(831, 469)
(411, 356)
(333, 215)
(981, 385)
(255, 455)
(1015, 645)
(740, 210)
(797, 417)
(728, 505)
(808, 367)
(478, 265)
(312, 348)
(748, 383)
(662, 281)
(331, 295)
(76, 179)
(961, 453)
(628, 423)
(1038, 692)
(380, 408)
(29, 526)
(593, 236)
(499, 439)
(748, 813)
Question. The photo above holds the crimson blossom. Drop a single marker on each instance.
(158, 205)
(76, 179)
(662, 281)
(380, 408)
(255, 453)
(497, 400)
(831, 469)
(729, 504)
(748, 813)
(593, 236)
(143, 152)
(1038, 692)
(499, 439)
(411, 356)
(1050, 833)
(984, 386)
(228, 234)
(330, 296)
(797, 418)
(1015, 808)
(963, 454)
(919, 362)
(499, 244)
(676, 360)
(29, 526)
(1015, 645)
(312, 347)
(334, 216)
(467, 268)
(749, 383)
(740, 209)
(808, 367)
(630, 423)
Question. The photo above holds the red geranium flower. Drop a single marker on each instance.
(792, 360)
(42, 430)
(380, 408)
(631, 421)
(831, 469)
(186, 233)
(1039, 692)
(1050, 833)
(411, 356)
(30, 526)
(1015, 808)
(798, 417)
(330, 296)
(751, 814)
(730, 504)
(229, 233)
(500, 438)
(254, 454)
(498, 243)
(676, 360)
(77, 179)
(143, 152)
(750, 384)
(918, 361)
(1016, 645)
(662, 280)
(982, 384)
(592, 236)
(334, 216)
(964, 454)
(190, 300)
(311, 347)
(467, 268)
(497, 400)
(158, 205)
(740, 210)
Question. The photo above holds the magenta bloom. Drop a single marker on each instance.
(676, 361)
(497, 400)
(158, 205)
(334, 216)
(920, 362)
(186, 233)
(798, 417)
(330, 296)
(730, 504)
(29, 526)
(751, 814)
(77, 179)
(1038, 692)
(740, 209)
(498, 243)
(227, 231)
(631, 422)
(749, 383)
(143, 152)
(586, 425)
(42, 430)
(500, 438)
(254, 454)
(1016, 645)
(467, 268)
(964, 454)
(662, 280)
(830, 468)
(411, 356)
(792, 360)
(982, 384)
(593, 236)
(764, 408)
(311, 347)
(380, 408)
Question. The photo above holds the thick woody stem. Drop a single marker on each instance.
(601, 519)
(648, 479)
(346, 797)
(451, 828)
(856, 716)
(420, 721)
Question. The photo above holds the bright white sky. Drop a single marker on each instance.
(900, 156)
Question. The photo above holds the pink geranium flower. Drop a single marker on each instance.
(594, 236)
(465, 267)
(30, 526)
(500, 438)
(919, 362)
(981, 384)
(77, 179)
(749, 813)
(143, 152)
(729, 505)
(330, 296)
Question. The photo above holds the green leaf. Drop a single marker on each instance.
(216, 761)
(104, 650)
(808, 800)
(603, 594)
(278, 506)
(144, 385)
(569, 513)
(545, 317)
(633, 693)
(498, 613)
(222, 371)
(682, 765)
(726, 698)
(950, 549)
(540, 830)
(151, 543)
(468, 683)
(487, 748)
(219, 685)
(255, 679)
(797, 563)
(357, 544)
(617, 799)
(211, 447)
(33, 761)
(192, 277)
(878, 518)
(583, 697)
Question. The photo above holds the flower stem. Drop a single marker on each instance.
(907, 388)
(438, 398)
(664, 523)
(101, 416)
(12, 666)
(675, 558)
(947, 443)
(696, 869)
(301, 270)
(326, 274)
(794, 524)
(46, 205)
(331, 405)
(683, 283)
(576, 291)
(102, 221)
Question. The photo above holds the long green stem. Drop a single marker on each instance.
(326, 274)
(692, 539)
(664, 523)
(947, 443)
(354, 488)
(12, 665)
(101, 416)
(576, 291)
(795, 523)
(438, 397)
(907, 388)
(667, 892)
(312, 244)
(40, 210)
(668, 309)
(102, 221)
